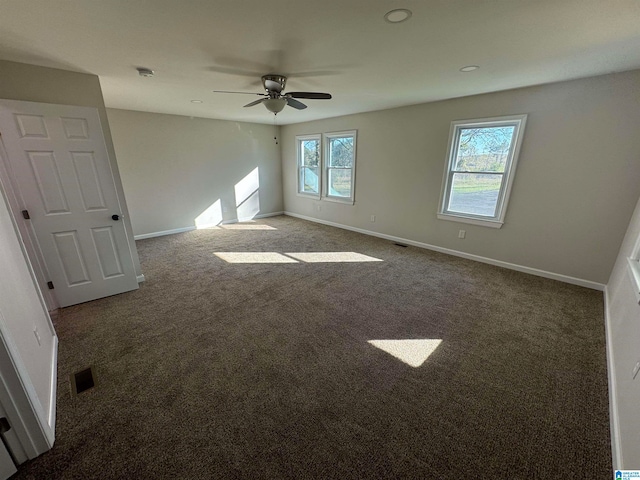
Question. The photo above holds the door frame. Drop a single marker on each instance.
(32, 429)
(30, 434)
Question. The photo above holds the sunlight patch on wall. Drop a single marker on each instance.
(254, 257)
(211, 217)
(413, 352)
(332, 257)
(248, 195)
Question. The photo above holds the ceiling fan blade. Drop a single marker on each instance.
(292, 102)
(271, 85)
(243, 93)
(256, 102)
(310, 95)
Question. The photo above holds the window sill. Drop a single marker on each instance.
(313, 196)
(346, 201)
(472, 221)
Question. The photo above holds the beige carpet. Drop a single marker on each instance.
(219, 369)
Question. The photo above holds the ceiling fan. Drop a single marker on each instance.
(275, 99)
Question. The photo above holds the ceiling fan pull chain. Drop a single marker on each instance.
(275, 128)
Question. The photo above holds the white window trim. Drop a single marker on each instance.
(299, 138)
(503, 197)
(325, 167)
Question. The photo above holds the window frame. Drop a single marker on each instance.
(519, 122)
(327, 137)
(300, 159)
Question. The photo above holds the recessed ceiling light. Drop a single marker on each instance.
(398, 15)
(196, 101)
(469, 68)
(145, 72)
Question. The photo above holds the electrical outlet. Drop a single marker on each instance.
(373, 218)
(35, 332)
(461, 234)
(318, 207)
(636, 369)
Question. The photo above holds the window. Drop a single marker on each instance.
(481, 163)
(339, 166)
(309, 165)
(327, 169)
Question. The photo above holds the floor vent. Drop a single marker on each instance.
(82, 381)
(400, 245)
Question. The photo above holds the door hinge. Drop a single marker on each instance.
(25, 214)
(4, 425)
(50, 285)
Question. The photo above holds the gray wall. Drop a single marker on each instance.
(575, 187)
(174, 168)
(623, 324)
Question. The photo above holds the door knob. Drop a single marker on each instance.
(115, 217)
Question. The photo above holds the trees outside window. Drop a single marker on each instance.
(308, 148)
(339, 165)
(326, 170)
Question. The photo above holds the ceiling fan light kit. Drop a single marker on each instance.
(275, 105)
(274, 97)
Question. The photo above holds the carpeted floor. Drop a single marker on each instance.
(264, 371)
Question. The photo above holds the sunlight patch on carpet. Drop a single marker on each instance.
(332, 257)
(254, 257)
(413, 352)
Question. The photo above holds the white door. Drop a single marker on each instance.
(58, 160)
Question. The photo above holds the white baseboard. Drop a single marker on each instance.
(248, 219)
(499, 263)
(188, 229)
(140, 278)
(614, 419)
(163, 232)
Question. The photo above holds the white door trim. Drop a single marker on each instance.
(32, 433)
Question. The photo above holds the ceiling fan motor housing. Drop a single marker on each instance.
(273, 82)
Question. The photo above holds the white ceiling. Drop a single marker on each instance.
(341, 47)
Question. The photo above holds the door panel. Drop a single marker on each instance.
(71, 258)
(58, 159)
(48, 182)
(107, 251)
(84, 164)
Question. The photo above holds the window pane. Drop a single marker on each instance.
(310, 152)
(309, 180)
(339, 183)
(341, 152)
(484, 149)
(475, 193)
